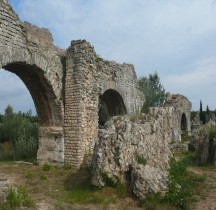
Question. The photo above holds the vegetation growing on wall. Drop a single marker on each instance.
(18, 135)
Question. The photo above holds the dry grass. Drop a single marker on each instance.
(63, 188)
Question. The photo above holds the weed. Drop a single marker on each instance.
(46, 167)
(43, 177)
(19, 197)
(108, 180)
(98, 59)
(181, 183)
(29, 175)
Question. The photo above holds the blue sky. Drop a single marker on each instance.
(176, 38)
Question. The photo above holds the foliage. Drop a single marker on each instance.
(46, 167)
(181, 185)
(202, 114)
(185, 137)
(17, 198)
(153, 90)
(102, 113)
(98, 59)
(20, 130)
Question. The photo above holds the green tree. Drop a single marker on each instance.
(201, 111)
(153, 90)
(20, 132)
(207, 110)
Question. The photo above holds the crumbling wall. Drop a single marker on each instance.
(138, 147)
(86, 79)
(182, 106)
(204, 143)
(123, 79)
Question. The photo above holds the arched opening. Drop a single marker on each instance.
(110, 104)
(184, 132)
(48, 110)
(183, 122)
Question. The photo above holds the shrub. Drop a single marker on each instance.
(19, 197)
(46, 167)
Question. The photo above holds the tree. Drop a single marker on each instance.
(207, 110)
(201, 111)
(20, 132)
(153, 90)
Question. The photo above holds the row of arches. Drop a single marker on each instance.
(110, 102)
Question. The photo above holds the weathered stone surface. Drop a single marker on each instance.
(138, 149)
(65, 86)
(181, 118)
(205, 144)
(4, 189)
(121, 146)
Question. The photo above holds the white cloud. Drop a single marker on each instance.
(163, 35)
(199, 83)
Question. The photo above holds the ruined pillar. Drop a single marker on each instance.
(81, 102)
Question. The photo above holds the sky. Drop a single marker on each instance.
(175, 38)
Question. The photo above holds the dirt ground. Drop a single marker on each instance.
(46, 193)
(206, 199)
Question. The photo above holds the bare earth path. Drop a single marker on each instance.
(206, 200)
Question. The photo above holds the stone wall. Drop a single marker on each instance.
(182, 107)
(204, 143)
(123, 79)
(29, 52)
(137, 149)
(87, 79)
(65, 86)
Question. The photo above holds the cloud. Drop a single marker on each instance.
(199, 83)
(167, 36)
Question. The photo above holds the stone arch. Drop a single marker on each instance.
(114, 102)
(49, 112)
(32, 69)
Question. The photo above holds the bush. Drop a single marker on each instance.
(19, 133)
(19, 197)
(181, 183)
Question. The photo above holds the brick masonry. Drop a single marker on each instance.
(65, 86)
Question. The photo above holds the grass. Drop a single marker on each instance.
(182, 185)
(64, 187)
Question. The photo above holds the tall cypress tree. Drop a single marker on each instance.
(201, 111)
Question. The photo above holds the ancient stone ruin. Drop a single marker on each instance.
(66, 86)
(137, 150)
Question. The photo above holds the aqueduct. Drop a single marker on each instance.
(65, 86)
